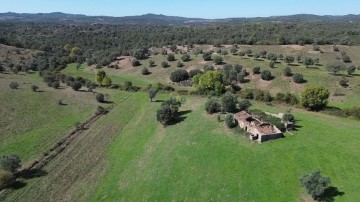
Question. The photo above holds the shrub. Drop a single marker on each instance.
(272, 64)
(164, 64)
(345, 58)
(56, 84)
(335, 48)
(6, 179)
(76, 85)
(100, 97)
(14, 85)
(344, 82)
(171, 57)
(298, 78)
(180, 64)
(266, 75)
(151, 63)
(207, 56)
(256, 70)
(10, 163)
(241, 78)
(230, 121)
(350, 70)
(69, 80)
(145, 71)
(287, 72)
(218, 60)
(179, 75)
(185, 57)
(212, 106)
(289, 59)
(135, 63)
(34, 88)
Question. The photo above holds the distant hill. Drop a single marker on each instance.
(163, 19)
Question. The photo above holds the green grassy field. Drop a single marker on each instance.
(128, 156)
(33, 121)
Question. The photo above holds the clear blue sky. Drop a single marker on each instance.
(186, 8)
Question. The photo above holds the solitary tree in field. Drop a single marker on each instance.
(315, 184)
(308, 61)
(107, 81)
(242, 54)
(233, 50)
(350, 70)
(10, 163)
(100, 75)
(152, 94)
(171, 57)
(335, 67)
(289, 59)
(207, 56)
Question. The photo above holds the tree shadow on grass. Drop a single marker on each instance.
(34, 173)
(330, 193)
(108, 102)
(159, 101)
(17, 185)
(181, 117)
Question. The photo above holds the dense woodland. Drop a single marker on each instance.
(102, 43)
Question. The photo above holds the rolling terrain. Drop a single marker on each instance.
(128, 155)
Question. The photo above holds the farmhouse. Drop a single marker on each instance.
(260, 131)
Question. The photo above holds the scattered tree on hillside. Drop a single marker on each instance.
(10, 163)
(151, 63)
(135, 63)
(307, 61)
(287, 72)
(152, 94)
(145, 71)
(14, 85)
(173, 48)
(34, 88)
(256, 70)
(350, 70)
(335, 48)
(242, 54)
(76, 85)
(335, 67)
(256, 56)
(315, 184)
(207, 56)
(289, 59)
(315, 98)
(298, 78)
(99, 77)
(171, 57)
(185, 57)
(100, 97)
(164, 64)
(233, 50)
(107, 81)
(179, 75)
(6, 179)
(266, 75)
(272, 64)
